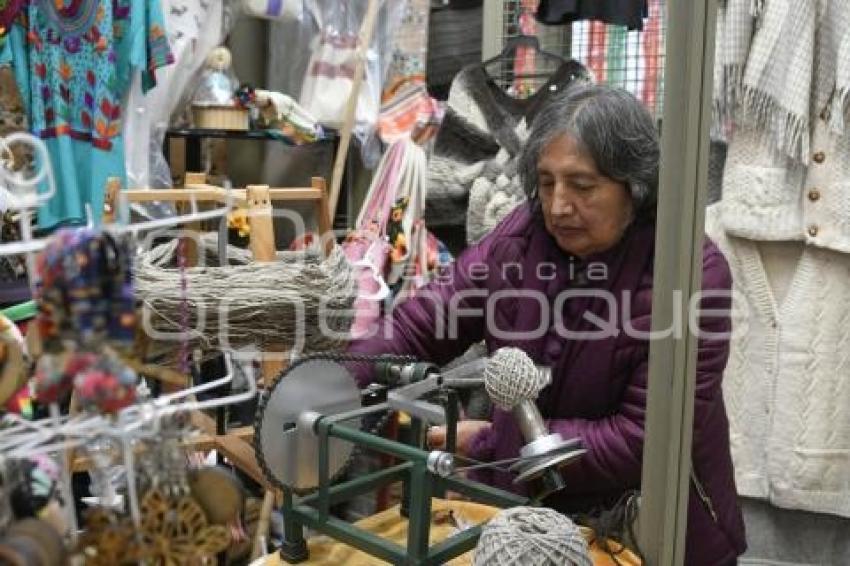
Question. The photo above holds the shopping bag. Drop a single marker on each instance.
(367, 247)
(330, 78)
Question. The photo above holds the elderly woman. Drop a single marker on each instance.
(567, 277)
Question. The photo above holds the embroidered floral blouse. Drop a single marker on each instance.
(73, 62)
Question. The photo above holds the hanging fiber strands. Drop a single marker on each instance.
(299, 302)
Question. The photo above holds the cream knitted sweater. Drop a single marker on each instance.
(787, 383)
(769, 196)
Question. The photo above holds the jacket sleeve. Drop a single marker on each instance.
(441, 320)
(615, 443)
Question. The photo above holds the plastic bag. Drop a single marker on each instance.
(194, 28)
(289, 56)
(367, 247)
(391, 243)
(330, 78)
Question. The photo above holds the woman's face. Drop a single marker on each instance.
(585, 211)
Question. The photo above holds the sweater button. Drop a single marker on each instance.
(814, 195)
(819, 157)
(813, 230)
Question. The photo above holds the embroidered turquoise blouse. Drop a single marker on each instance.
(73, 62)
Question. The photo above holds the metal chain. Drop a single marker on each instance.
(339, 357)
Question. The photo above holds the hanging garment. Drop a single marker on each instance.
(733, 33)
(406, 108)
(480, 120)
(73, 64)
(628, 13)
(784, 66)
(194, 28)
(781, 537)
(787, 380)
(495, 192)
(770, 196)
(596, 60)
(632, 60)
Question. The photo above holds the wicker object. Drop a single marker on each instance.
(221, 117)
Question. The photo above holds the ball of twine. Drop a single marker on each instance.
(531, 536)
(511, 377)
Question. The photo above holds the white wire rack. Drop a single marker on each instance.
(57, 433)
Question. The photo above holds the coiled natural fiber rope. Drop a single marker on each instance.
(246, 302)
(531, 536)
(511, 377)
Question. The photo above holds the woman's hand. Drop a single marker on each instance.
(466, 431)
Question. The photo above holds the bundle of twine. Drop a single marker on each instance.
(299, 303)
(531, 536)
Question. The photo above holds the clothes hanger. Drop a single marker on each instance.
(508, 55)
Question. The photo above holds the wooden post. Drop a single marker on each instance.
(258, 546)
(192, 178)
(325, 226)
(260, 222)
(263, 249)
(364, 39)
(110, 199)
(177, 159)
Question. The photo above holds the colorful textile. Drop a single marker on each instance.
(596, 56)
(73, 65)
(633, 60)
(408, 111)
(653, 52)
(406, 108)
(85, 290)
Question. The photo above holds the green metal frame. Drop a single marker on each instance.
(420, 485)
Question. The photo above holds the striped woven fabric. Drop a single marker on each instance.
(408, 111)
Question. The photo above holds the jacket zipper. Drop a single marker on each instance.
(703, 495)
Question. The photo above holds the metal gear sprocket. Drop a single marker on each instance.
(286, 449)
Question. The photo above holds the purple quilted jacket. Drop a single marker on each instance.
(598, 390)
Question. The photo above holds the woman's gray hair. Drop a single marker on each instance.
(613, 127)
